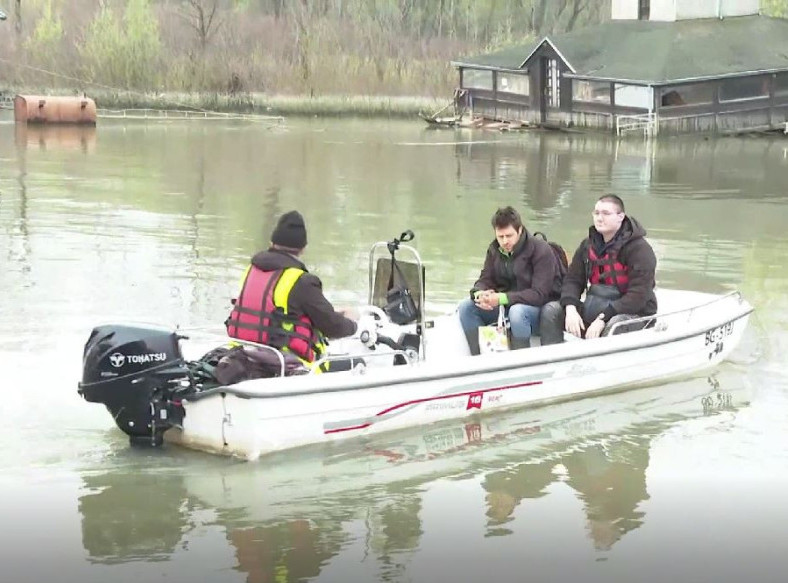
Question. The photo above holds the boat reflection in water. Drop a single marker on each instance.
(128, 517)
(287, 515)
(609, 478)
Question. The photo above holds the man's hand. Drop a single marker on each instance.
(595, 329)
(349, 312)
(487, 299)
(573, 322)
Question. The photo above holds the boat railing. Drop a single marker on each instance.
(645, 320)
(211, 333)
(312, 367)
(371, 270)
(361, 358)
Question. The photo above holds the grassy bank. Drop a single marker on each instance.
(285, 105)
(258, 103)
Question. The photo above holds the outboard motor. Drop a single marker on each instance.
(136, 371)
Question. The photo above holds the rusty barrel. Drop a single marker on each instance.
(47, 109)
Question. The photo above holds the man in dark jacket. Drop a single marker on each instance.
(615, 266)
(281, 304)
(520, 272)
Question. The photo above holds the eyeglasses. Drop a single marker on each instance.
(604, 213)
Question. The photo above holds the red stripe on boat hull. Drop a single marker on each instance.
(428, 399)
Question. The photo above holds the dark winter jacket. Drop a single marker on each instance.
(306, 297)
(528, 276)
(634, 252)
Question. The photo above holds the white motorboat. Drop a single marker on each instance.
(411, 374)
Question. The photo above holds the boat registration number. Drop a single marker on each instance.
(717, 334)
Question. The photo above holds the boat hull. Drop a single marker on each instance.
(263, 416)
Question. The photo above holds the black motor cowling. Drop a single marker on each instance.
(135, 371)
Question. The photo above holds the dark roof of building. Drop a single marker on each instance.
(660, 52)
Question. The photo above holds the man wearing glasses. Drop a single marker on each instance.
(615, 266)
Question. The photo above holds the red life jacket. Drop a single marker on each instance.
(260, 314)
(607, 270)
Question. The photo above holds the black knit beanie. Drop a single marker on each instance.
(290, 231)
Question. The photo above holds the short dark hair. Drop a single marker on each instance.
(615, 199)
(506, 217)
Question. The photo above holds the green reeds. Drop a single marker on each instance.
(260, 103)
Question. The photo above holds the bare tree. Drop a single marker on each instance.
(302, 18)
(18, 17)
(538, 13)
(201, 16)
(578, 7)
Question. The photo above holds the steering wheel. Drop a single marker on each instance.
(374, 311)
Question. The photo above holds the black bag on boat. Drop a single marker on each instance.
(229, 365)
(561, 259)
(400, 305)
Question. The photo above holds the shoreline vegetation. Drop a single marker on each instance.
(270, 57)
(283, 57)
(262, 104)
(277, 105)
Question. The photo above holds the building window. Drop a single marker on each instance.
(744, 88)
(513, 83)
(781, 84)
(635, 96)
(553, 83)
(693, 94)
(591, 91)
(644, 9)
(477, 79)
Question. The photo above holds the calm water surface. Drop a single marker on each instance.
(156, 221)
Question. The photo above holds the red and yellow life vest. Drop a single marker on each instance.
(607, 270)
(260, 314)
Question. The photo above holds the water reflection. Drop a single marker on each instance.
(702, 201)
(157, 221)
(58, 136)
(535, 169)
(287, 516)
(287, 551)
(544, 166)
(610, 480)
(129, 517)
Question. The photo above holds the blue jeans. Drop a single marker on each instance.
(523, 318)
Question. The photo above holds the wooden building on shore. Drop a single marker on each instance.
(658, 65)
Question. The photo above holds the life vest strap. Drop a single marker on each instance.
(274, 331)
(276, 315)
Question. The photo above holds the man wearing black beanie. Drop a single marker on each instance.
(290, 232)
(281, 304)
